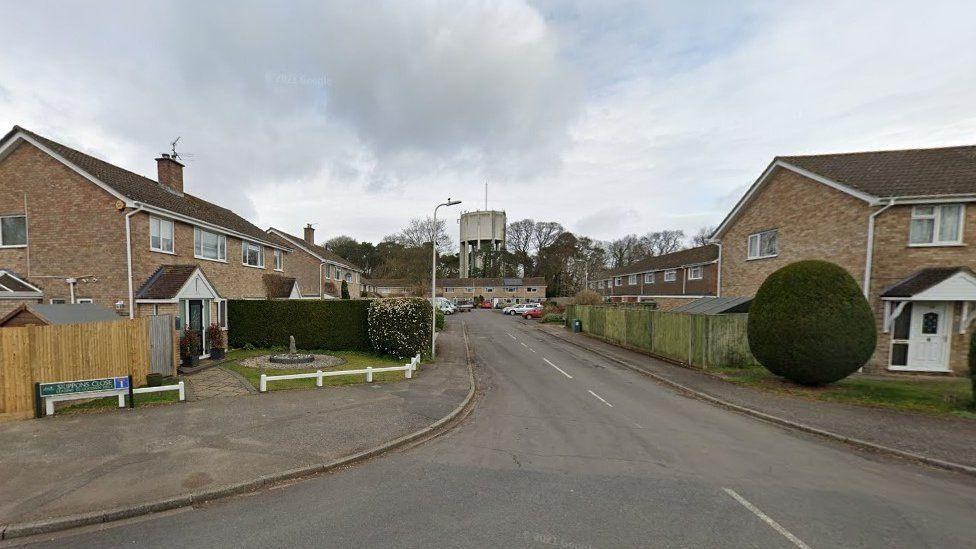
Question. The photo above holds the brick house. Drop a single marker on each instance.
(901, 222)
(81, 230)
(669, 280)
(319, 271)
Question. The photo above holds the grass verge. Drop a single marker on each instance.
(949, 396)
(355, 360)
(101, 404)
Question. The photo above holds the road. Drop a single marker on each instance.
(566, 449)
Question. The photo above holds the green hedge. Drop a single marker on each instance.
(338, 325)
(400, 326)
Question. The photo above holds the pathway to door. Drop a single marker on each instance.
(216, 382)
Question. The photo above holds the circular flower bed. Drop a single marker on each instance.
(318, 362)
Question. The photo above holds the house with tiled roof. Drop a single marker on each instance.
(669, 280)
(503, 289)
(318, 271)
(902, 222)
(77, 229)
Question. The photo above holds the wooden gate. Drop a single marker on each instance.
(161, 343)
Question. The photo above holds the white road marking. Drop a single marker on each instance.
(601, 398)
(639, 426)
(531, 349)
(765, 518)
(558, 368)
(511, 336)
(523, 344)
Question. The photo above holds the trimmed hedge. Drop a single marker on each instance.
(972, 367)
(400, 326)
(810, 323)
(337, 325)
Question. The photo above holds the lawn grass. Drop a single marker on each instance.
(951, 396)
(355, 360)
(145, 399)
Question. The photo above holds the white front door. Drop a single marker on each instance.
(928, 345)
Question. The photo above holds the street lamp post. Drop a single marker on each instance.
(433, 276)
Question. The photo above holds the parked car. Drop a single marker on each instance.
(520, 309)
(486, 304)
(464, 306)
(447, 308)
(535, 312)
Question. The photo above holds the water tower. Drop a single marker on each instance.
(480, 229)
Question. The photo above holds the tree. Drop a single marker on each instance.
(344, 293)
(810, 323)
(662, 242)
(421, 232)
(626, 250)
(518, 242)
(545, 233)
(701, 237)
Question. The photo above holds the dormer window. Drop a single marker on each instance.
(933, 225)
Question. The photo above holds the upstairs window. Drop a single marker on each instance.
(648, 278)
(252, 254)
(695, 273)
(489, 289)
(160, 235)
(671, 275)
(208, 245)
(13, 230)
(279, 260)
(936, 225)
(600, 284)
(617, 281)
(632, 279)
(764, 244)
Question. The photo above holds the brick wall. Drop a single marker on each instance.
(74, 229)
(814, 221)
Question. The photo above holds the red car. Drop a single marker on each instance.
(532, 313)
(486, 305)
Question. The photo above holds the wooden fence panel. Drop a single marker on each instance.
(34, 354)
(705, 341)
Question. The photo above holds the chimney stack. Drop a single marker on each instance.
(170, 172)
(309, 234)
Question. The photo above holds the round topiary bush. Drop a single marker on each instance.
(400, 326)
(810, 323)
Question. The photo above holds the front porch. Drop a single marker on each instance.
(926, 322)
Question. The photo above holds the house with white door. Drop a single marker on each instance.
(903, 223)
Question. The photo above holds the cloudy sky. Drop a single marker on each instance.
(609, 117)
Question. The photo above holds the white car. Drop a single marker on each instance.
(447, 308)
(516, 310)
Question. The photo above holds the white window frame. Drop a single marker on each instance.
(57, 301)
(671, 275)
(279, 260)
(26, 234)
(221, 245)
(618, 281)
(936, 217)
(160, 222)
(632, 280)
(757, 238)
(489, 289)
(84, 300)
(695, 272)
(245, 245)
(649, 278)
(449, 289)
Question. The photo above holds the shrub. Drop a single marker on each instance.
(345, 290)
(588, 297)
(439, 315)
(554, 317)
(215, 336)
(338, 325)
(189, 343)
(400, 326)
(810, 323)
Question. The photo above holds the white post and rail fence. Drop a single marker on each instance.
(319, 375)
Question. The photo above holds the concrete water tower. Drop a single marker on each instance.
(480, 229)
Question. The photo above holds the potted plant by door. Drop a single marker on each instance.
(190, 349)
(216, 338)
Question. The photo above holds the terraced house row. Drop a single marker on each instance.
(77, 229)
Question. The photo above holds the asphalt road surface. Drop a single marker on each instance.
(566, 449)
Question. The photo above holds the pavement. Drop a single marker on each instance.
(943, 438)
(567, 448)
(83, 463)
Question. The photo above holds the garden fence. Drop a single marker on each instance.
(704, 341)
(69, 352)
